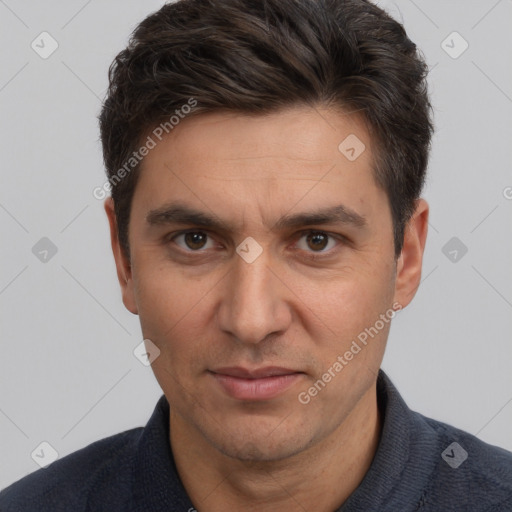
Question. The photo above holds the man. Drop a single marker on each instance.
(266, 161)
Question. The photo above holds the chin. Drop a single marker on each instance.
(260, 446)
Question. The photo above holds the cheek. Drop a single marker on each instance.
(172, 308)
(344, 307)
(347, 315)
(163, 294)
(173, 312)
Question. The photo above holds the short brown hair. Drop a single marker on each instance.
(261, 56)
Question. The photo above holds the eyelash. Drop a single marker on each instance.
(310, 254)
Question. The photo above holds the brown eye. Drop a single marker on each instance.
(195, 240)
(192, 240)
(317, 241)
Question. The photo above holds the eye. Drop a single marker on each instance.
(192, 241)
(317, 242)
(312, 242)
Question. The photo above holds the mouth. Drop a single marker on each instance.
(255, 385)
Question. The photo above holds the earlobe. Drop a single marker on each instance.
(409, 263)
(123, 266)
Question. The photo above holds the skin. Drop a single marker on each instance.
(210, 308)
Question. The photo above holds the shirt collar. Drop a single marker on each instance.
(156, 484)
(392, 453)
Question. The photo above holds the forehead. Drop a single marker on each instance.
(266, 162)
(302, 134)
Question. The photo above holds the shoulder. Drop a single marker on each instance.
(468, 470)
(104, 465)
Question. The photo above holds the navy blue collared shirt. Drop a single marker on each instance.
(420, 465)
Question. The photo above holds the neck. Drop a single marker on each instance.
(320, 478)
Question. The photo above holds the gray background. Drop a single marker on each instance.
(67, 372)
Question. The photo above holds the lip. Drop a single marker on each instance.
(258, 384)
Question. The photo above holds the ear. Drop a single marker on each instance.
(124, 270)
(409, 263)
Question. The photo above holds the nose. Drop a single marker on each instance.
(255, 302)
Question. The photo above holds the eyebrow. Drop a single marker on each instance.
(179, 213)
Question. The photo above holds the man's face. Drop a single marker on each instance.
(243, 336)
